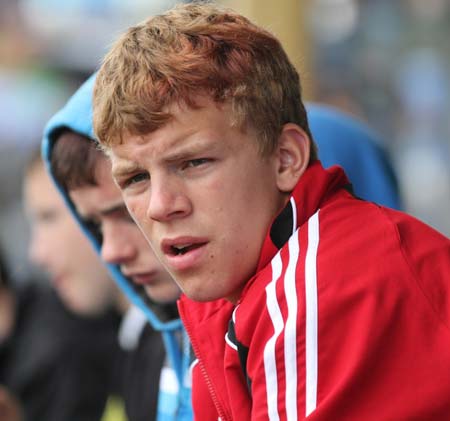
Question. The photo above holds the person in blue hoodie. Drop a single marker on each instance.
(82, 174)
(348, 142)
(69, 150)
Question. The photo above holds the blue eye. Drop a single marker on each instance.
(196, 162)
(135, 179)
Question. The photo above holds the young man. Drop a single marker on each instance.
(304, 302)
(58, 246)
(61, 351)
(83, 175)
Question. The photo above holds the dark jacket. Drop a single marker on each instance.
(58, 365)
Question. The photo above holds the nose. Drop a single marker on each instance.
(168, 200)
(116, 249)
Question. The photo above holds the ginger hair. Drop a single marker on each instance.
(197, 49)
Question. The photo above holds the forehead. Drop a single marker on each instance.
(39, 189)
(189, 128)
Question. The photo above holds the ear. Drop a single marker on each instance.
(292, 153)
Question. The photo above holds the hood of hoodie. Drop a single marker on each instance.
(348, 142)
(76, 115)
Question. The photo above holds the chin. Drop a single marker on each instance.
(83, 310)
(77, 309)
(201, 295)
(162, 297)
(91, 312)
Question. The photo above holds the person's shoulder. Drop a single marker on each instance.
(39, 304)
(426, 252)
(352, 224)
(411, 228)
(408, 234)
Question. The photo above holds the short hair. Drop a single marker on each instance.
(192, 49)
(74, 160)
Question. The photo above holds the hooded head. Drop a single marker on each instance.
(343, 140)
(81, 173)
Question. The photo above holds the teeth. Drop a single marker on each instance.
(181, 246)
(180, 249)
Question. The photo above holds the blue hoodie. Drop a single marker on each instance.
(341, 140)
(76, 115)
(345, 141)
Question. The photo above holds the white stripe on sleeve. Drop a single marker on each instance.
(311, 314)
(290, 332)
(294, 215)
(269, 350)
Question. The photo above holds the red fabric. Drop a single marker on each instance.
(383, 318)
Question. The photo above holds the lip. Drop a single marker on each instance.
(188, 260)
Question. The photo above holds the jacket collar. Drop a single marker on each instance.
(313, 188)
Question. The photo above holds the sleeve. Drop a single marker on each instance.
(427, 253)
(340, 335)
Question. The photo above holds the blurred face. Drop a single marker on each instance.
(58, 246)
(123, 243)
(203, 196)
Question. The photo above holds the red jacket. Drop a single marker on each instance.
(347, 318)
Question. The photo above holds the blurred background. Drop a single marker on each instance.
(387, 62)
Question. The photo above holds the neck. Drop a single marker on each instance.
(122, 303)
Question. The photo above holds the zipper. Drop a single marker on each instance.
(220, 410)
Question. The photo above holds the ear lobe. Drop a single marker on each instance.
(293, 156)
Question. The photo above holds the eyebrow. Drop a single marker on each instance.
(119, 207)
(192, 149)
(121, 170)
(182, 151)
(105, 212)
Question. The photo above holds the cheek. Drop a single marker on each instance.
(102, 283)
(136, 207)
(75, 239)
(84, 258)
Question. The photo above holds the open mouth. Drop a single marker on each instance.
(184, 253)
(183, 249)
